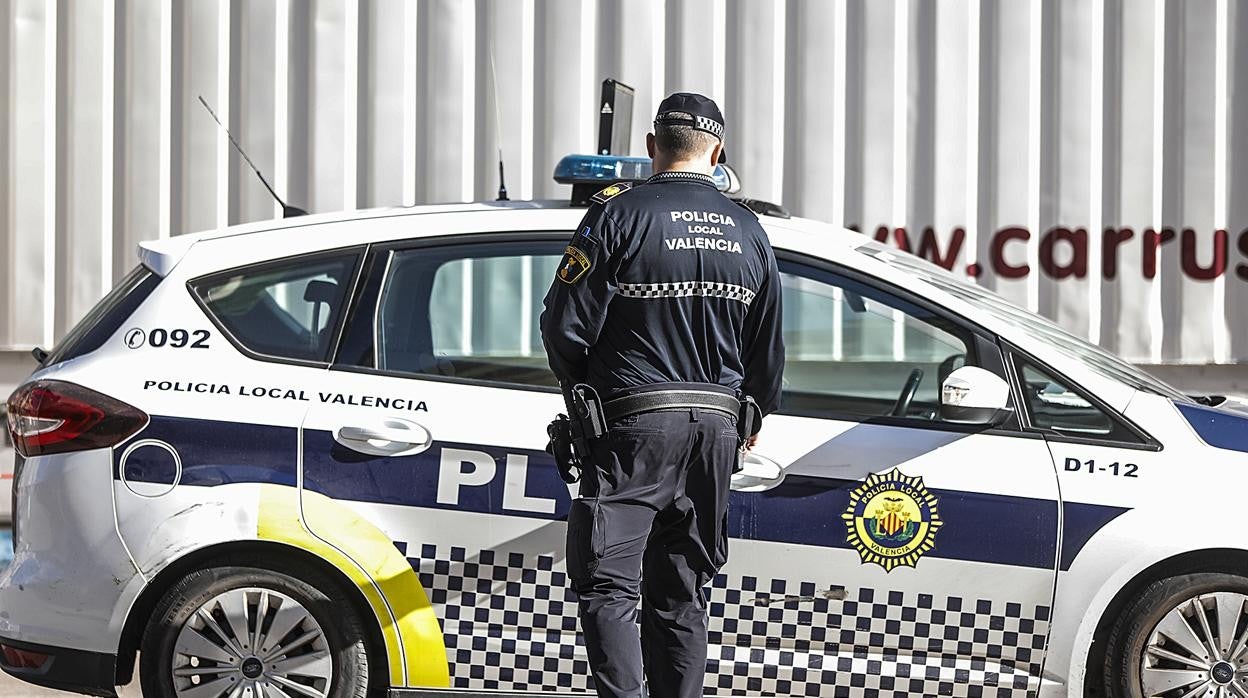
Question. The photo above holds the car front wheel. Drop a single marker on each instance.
(1182, 636)
(245, 631)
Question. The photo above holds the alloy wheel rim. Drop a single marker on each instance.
(1199, 648)
(252, 643)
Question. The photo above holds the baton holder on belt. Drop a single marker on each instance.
(747, 420)
(587, 411)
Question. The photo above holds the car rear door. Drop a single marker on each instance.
(878, 551)
(430, 429)
(222, 367)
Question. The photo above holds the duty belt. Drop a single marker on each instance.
(671, 400)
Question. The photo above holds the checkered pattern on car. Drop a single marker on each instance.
(509, 622)
(681, 289)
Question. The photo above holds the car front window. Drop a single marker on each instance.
(1032, 325)
(852, 349)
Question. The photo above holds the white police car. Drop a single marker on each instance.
(305, 458)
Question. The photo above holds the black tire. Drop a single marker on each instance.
(344, 633)
(1124, 650)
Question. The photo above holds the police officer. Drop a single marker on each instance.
(667, 304)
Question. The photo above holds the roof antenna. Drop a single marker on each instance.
(498, 124)
(287, 211)
(502, 183)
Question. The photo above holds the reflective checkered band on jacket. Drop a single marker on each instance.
(509, 623)
(682, 289)
(677, 175)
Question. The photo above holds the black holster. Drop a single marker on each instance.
(570, 437)
(560, 446)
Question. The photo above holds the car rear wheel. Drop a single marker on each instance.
(244, 631)
(1182, 637)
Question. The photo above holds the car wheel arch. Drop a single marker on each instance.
(273, 556)
(1224, 560)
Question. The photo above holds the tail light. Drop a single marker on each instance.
(50, 416)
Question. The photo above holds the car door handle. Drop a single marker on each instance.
(397, 436)
(757, 473)
(392, 437)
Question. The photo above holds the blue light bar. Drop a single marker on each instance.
(606, 169)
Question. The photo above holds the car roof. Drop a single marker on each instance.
(161, 256)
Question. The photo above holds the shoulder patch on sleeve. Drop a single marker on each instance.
(613, 190)
(577, 258)
(573, 266)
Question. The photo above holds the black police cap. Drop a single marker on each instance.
(703, 114)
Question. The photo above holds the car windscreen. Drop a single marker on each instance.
(106, 317)
(1032, 325)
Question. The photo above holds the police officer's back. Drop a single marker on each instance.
(667, 305)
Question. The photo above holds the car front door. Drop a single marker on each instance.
(900, 553)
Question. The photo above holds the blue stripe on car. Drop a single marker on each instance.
(803, 510)
(215, 453)
(1079, 523)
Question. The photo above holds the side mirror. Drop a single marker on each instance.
(734, 180)
(971, 395)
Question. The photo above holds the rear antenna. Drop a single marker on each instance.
(498, 124)
(502, 183)
(287, 211)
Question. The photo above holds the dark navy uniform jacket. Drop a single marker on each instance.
(668, 281)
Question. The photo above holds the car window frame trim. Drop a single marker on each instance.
(361, 250)
(389, 248)
(1012, 354)
(984, 340)
(1019, 424)
(1006, 350)
(981, 337)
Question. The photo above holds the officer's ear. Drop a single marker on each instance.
(715, 153)
(650, 145)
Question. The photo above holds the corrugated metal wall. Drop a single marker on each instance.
(1051, 147)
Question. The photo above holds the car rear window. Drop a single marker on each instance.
(106, 317)
(285, 309)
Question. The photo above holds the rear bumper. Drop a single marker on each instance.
(63, 669)
(71, 580)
